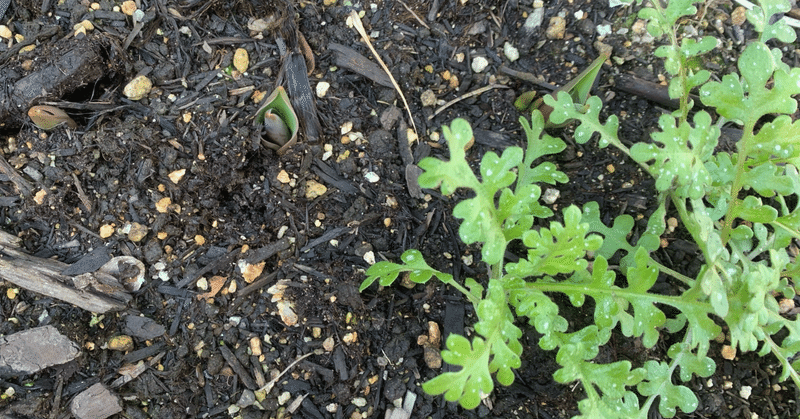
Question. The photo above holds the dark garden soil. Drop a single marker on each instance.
(181, 181)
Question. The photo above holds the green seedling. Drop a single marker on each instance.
(279, 121)
(578, 89)
(740, 209)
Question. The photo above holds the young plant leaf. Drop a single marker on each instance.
(757, 65)
(760, 16)
(556, 250)
(419, 272)
(677, 157)
(496, 351)
(578, 89)
(659, 382)
(564, 109)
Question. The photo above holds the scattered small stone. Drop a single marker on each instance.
(728, 352)
(550, 196)
(372, 177)
(128, 7)
(745, 392)
(283, 177)
(328, 344)
(322, 89)
(314, 189)
(479, 64)
(258, 25)
(349, 338)
(369, 257)
(250, 271)
(122, 343)
(39, 197)
(136, 232)
(603, 30)
(177, 175)
(138, 88)
(428, 98)
(603, 48)
(738, 16)
(241, 60)
(477, 28)
(389, 117)
(106, 230)
(534, 19)
(511, 52)
(247, 399)
(5, 33)
(162, 205)
(557, 28)
(285, 310)
(786, 305)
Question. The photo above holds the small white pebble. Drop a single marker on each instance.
(284, 397)
(369, 257)
(511, 52)
(322, 88)
(603, 30)
(372, 177)
(550, 196)
(479, 64)
(5, 32)
(745, 392)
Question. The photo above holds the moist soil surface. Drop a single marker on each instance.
(253, 259)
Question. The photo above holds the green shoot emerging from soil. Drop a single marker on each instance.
(740, 208)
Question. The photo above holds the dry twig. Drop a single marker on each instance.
(360, 28)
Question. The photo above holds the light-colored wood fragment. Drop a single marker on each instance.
(96, 292)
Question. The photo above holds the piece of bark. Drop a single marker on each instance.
(143, 327)
(96, 402)
(350, 59)
(23, 186)
(32, 350)
(62, 68)
(90, 262)
(96, 292)
(653, 92)
(238, 368)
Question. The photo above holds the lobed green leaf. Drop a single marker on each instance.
(473, 381)
(671, 396)
(564, 109)
(679, 161)
(419, 272)
(497, 350)
(558, 249)
(757, 64)
(760, 17)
